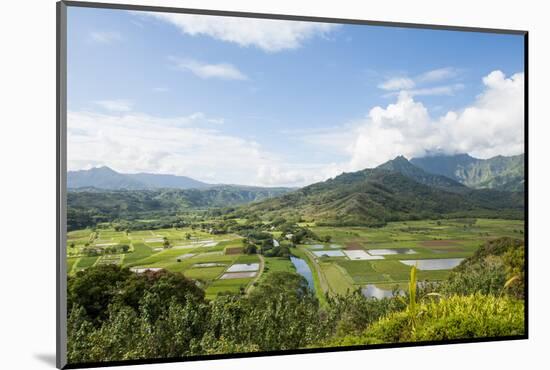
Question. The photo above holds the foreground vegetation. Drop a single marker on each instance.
(116, 314)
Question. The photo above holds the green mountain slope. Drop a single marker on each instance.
(375, 196)
(500, 173)
(87, 207)
(127, 201)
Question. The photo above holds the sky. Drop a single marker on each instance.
(282, 103)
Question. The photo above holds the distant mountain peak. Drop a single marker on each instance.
(396, 190)
(499, 172)
(104, 177)
(402, 165)
(397, 161)
(103, 168)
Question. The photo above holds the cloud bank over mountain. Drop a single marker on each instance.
(492, 125)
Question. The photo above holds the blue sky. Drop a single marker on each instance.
(270, 103)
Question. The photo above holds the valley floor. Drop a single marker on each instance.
(375, 260)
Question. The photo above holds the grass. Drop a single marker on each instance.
(244, 258)
(279, 264)
(338, 280)
(226, 286)
(140, 252)
(204, 273)
(362, 272)
(85, 262)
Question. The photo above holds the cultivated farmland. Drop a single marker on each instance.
(375, 260)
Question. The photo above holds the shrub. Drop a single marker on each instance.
(456, 317)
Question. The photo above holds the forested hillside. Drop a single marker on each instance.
(375, 196)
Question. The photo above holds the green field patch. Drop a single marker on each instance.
(338, 280)
(164, 255)
(247, 258)
(140, 251)
(231, 243)
(204, 273)
(79, 234)
(273, 264)
(226, 286)
(363, 272)
(85, 262)
(391, 270)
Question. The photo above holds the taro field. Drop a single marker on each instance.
(375, 260)
(378, 260)
(196, 254)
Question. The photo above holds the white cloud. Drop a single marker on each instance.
(118, 105)
(411, 85)
(275, 174)
(267, 34)
(438, 90)
(437, 75)
(492, 125)
(223, 71)
(495, 123)
(105, 37)
(427, 91)
(397, 83)
(135, 142)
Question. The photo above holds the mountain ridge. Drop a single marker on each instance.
(405, 167)
(498, 173)
(108, 179)
(394, 191)
(373, 197)
(105, 178)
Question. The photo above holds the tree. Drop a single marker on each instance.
(94, 288)
(250, 249)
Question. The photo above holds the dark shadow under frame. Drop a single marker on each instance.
(61, 169)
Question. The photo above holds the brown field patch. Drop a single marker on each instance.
(353, 246)
(440, 243)
(234, 250)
